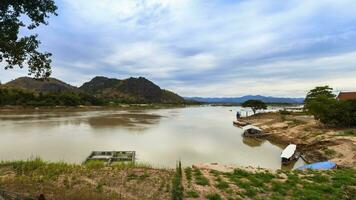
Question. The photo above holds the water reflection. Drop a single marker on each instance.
(252, 142)
(129, 120)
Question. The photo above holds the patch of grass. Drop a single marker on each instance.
(213, 196)
(221, 184)
(215, 172)
(188, 174)
(95, 164)
(39, 167)
(177, 185)
(192, 194)
(200, 179)
(330, 152)
(349, 132)
(130, 165)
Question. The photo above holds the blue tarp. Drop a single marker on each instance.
(319, 165)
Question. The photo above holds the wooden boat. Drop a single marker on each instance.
(289, 154)
(240, 123)
(112, 156)
(253, 131)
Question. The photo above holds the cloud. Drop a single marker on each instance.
(206, 48)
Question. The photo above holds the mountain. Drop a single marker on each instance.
(50, 85)
(266, 99)
(131, 90)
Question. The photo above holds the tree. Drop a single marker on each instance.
(322, 104)
(254, 105)
(16, 50)
(317, 93)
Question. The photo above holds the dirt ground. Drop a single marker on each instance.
(316, 141)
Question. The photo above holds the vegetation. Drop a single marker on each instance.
(131, 90)
(16, 50)
(200, 179)
(177, 185)
(26, 98)
(96, 181)
(321, 103)
(347, 133)
(254, 105)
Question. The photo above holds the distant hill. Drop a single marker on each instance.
(266, 99)
(51, 85)
(131, 90)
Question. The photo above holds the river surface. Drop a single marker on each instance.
(159, 136)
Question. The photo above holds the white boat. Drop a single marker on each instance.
(289, 153)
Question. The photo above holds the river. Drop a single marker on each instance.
(201, 134)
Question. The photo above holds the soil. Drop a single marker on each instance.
(314, 140)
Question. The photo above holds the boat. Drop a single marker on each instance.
(253, 131)
(319, 166)
(240, 123)
(112, 156)
(289, 154)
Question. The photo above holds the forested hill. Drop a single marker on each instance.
(98, 91)
(129, 90)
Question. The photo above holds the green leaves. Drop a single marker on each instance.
(321, 103)
(22, 51)
(255, 105)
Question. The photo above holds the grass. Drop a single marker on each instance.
(177, 185)
(60, 179)
(349, 132)
(213, 196)
(188, 174)
(221, 184)
(192, 194)
(200, 179)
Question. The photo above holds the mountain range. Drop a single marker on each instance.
(131, 90)
(266, 99)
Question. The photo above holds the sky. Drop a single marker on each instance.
(215, 48)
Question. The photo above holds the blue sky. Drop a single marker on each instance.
(205, 48)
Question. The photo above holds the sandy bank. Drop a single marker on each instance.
(316, 141)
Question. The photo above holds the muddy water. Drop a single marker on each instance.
(160, 136)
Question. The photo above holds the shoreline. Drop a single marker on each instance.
(314, 140)
(59, 181)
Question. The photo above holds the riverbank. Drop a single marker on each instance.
(316, 141)
(60, 181)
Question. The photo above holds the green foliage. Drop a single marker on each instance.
(95, 164)
(213, 196)
(188, 174)
(347, 133)
(192, 194)
(177, 185)
(254, 105)
(25, 98)
(37, 167)
(16, 50)
(221, 184)
(321, 103)
(200, 179)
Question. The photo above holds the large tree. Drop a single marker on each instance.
(318, 94)
(18, 50)
(255, 105)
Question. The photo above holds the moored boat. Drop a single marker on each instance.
(289, 154)
(253, 131)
